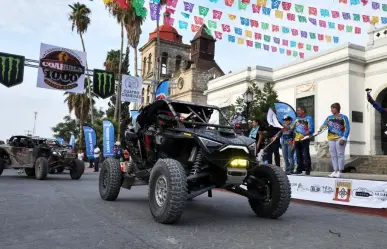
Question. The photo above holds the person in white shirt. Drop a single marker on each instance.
(97, 153)
(80, 155)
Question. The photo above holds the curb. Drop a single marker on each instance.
(357, 210)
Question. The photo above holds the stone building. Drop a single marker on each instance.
(340, 74)
(188, 67)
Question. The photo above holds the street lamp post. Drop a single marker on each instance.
(248, 98)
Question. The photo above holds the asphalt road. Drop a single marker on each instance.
(62, 213)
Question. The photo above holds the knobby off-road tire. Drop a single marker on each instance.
(78, 169)
(2, 166)
(29, 171)
(41, 168)
(280, 192)
(173, 174)
(110, 179)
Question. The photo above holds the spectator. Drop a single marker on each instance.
(257, 135)
(80, 155)
(273, 148)
(97, 153)
(303, 126)
(287, 145)
(338, 132)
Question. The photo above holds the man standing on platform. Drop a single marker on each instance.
(303, 126)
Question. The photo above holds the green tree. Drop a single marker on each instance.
(80, 19)
(263, 99)
(66, 128)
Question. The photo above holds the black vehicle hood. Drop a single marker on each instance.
(221, 137)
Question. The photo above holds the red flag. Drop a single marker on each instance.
(254, 23)
(123, 3)
(366, 18)
(245, 1)
(274, 28)
(249, 43)
(291, 17)
(286, 6)
(288, 52)
(302, 55)
(357, 30)
(229, 3)
(322, 23)
(364, 2)
(217, 14)
(273, 49)
(171, 11)
(343, 1)
(315, 48)
(294, 32)
(218, 35)
(226, 28)
(320, 37)
(258, 36)
(312, 11)
(195, 28)
(340, 27)
(335, 14)
(285, 42)
(198, 20)
(300, 45)
(256, 8)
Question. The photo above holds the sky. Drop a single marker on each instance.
(25, 24)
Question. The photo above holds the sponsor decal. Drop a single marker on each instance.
(103, 83)
(62, 68)
(362, 193)
(381, 195)
(327, 190)
(315, 188)
(11, 69)
(343, 191)
(301, 188)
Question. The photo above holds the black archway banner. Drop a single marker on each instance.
(11, 69)
(103, 83)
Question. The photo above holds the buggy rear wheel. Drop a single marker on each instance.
(167, 192)
(78, 169)
(271, 182)
(29, 171)
(110, 179)
(41, 168)
(2, 166)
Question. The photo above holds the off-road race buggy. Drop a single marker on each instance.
(37, 156)
(176, 150)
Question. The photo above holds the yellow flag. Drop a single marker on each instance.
(248, 33)
(232, 17)
(279, 14)
(107, 1)
(262, 3)
(241, 40)
(375, 19)
(328, 38)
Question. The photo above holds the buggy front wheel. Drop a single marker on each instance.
(110, 179)
(167, 192)
(272, 183)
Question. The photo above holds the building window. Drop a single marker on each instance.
(144, 66)
(308, 103)
(149, 63)
(164, 62)
(178, 63)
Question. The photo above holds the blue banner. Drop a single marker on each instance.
(108, 138)
(90, 140)
(60, 140)
(162, 90)
(283, 109)
(72, 141)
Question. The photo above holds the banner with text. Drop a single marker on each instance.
(61, 69)
(350, 192)
(284, 109)
(131, 89)
(108, 138)
(90, 140)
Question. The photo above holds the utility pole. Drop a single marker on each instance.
(35, 114)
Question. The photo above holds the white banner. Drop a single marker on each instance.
(272, 119)
(131, 89)
(350, 192)
(61, 69)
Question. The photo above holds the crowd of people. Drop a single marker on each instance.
(294, 140)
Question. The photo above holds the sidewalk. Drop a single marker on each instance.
(358, 176)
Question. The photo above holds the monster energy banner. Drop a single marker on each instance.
(11, 69)
(103, 83)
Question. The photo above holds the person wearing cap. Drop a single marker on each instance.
(287, 136)
(338, 132)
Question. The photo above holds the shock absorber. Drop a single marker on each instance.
(197, 164)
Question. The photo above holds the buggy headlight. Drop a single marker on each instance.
(209, 143)
(239, 163)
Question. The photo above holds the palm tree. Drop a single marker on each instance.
(133, 30)
(80, 19)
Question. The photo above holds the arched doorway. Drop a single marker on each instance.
(381, 125)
